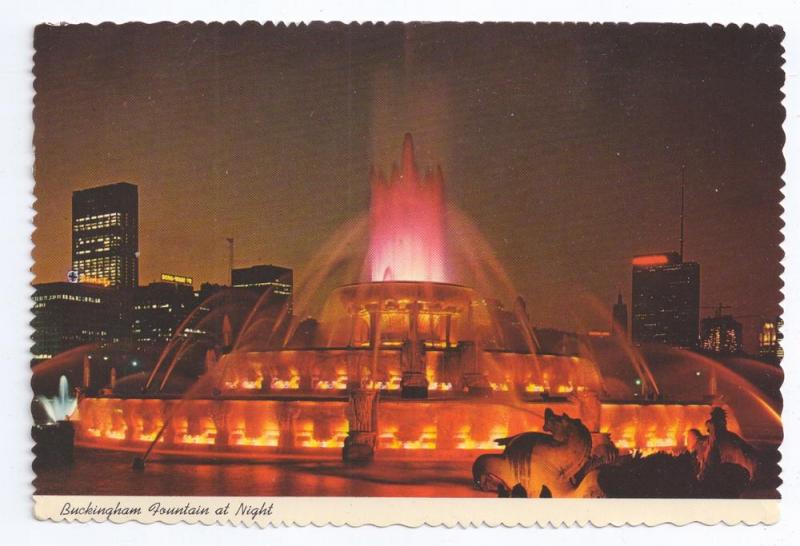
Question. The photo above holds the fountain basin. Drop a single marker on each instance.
(259, 427)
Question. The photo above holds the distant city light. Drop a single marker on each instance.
(98, 281)
(177, 279)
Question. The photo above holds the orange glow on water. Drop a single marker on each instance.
(115, 434)
(293, 383)
(467, 442)
(149, 437)
(309, 436)
(268, 440)
(393, 384)
(533, 387)
(204, 438)
(440, 427)
(389, 439)
(340, 383)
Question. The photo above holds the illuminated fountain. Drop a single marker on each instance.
(404, 363)
(59, 407)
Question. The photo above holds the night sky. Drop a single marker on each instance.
(563, 144)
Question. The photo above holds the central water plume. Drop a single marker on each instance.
(407, 232)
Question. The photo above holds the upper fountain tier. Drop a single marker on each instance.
(407, 224)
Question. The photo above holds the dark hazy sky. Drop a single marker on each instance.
(562, 143)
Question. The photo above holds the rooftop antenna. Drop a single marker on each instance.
(683, 192)
(230, 258)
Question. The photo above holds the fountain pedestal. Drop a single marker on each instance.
(361, 441)
(54, 443)
(287, 419)
(414, 383)
(474, 380)
(219, 414)
(476, 384)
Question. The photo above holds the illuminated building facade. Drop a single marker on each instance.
(158, 309)
(721, 334)
(769, 341)
(68, 315)
(266, 277)
(665, 300)
(105, 235)
(619, 318)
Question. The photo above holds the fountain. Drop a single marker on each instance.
(53, 432)
(56, 408)
(407, 362)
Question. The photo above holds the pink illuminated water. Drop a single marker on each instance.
(407, 241)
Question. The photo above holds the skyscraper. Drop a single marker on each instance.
(158, 309)
(619, 318)
(721, 334)
(67, 315)
(666, 300)
(105, 235)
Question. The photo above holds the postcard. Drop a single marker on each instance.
(406, 273)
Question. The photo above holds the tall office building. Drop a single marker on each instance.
(105, 235)
(158, 309)
(619, 318)
(665, 300)
(721, 334)
(68, 315)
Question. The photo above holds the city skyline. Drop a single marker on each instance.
(581, 222)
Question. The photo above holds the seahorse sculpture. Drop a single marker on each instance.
(541, 464)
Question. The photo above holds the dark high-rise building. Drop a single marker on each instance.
(67, 315)
(158, 309)
(619, 318)
(665, 300)
(769, 341)
(510, 331)
(721, 334)
(105, 235)
(266, 277)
